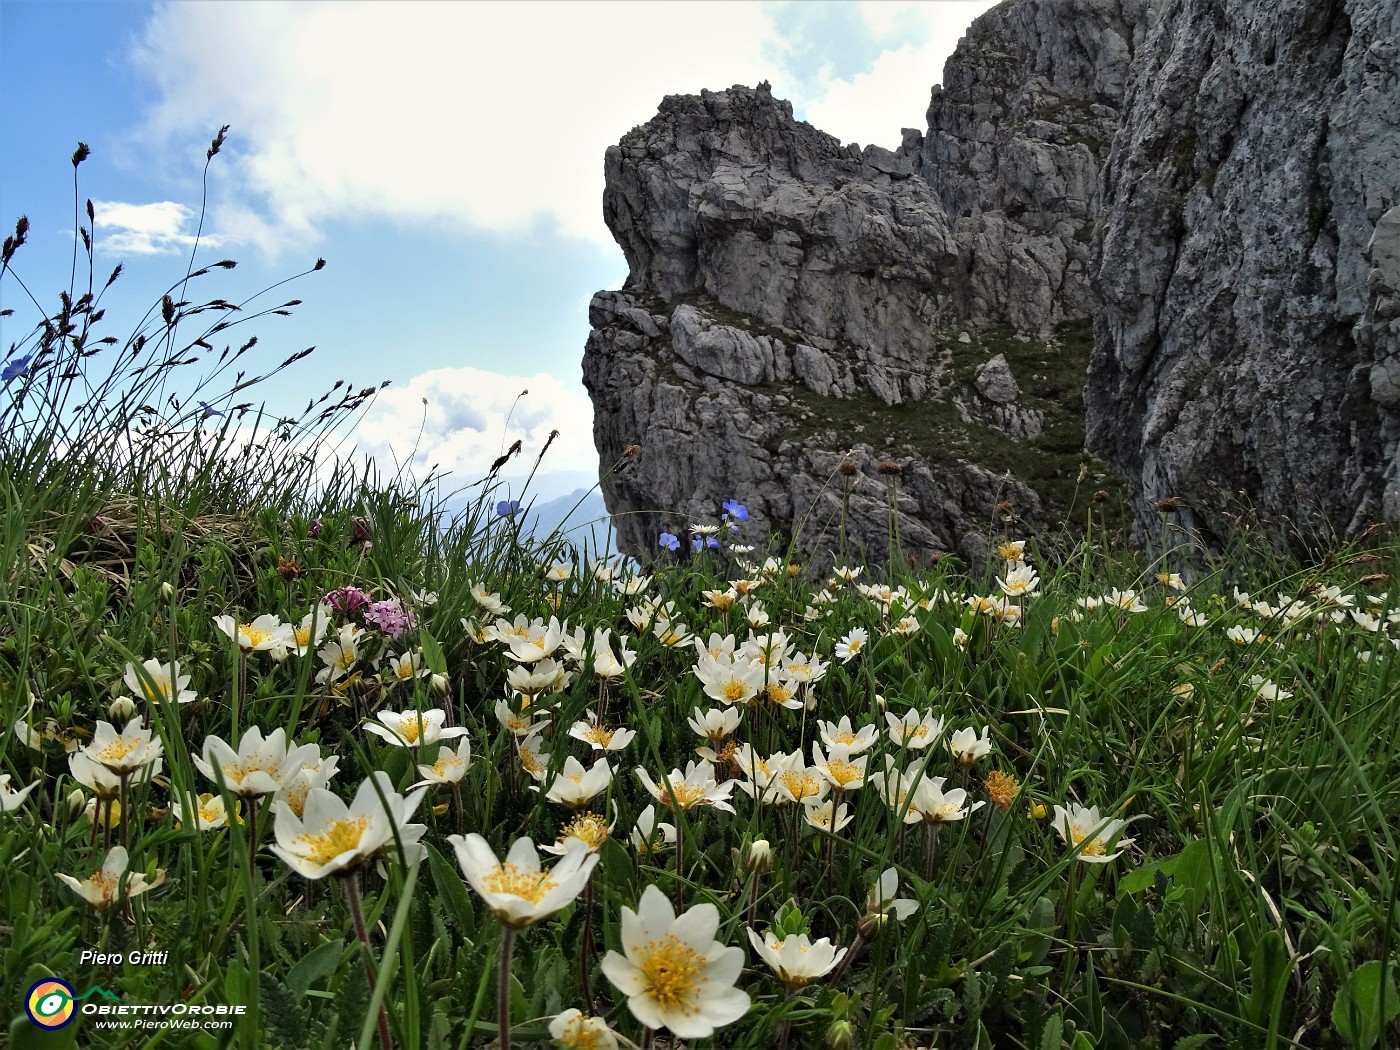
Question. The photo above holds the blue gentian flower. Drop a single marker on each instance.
(670, 542)
(507, 508)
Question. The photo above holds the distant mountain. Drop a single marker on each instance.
(581, 517)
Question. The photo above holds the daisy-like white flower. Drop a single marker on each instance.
(967, 747)
(407, 667)
(839, 767)
(489, 601)
(715, 724)
(648, 837)
(606, 663)
(1082, 827)
(796, 960)
(576, 786)
(297, 782)
(932, 805)
(1267, 690)
(729, 679)
(843, 734)
(210, 814)
(534, 761)
(94, 776)
(672, 970)
(906, 627)
(914, 730)
(559, 572)
(339, 655)
(882, 901)
(695, 787)
(1125, 601)
(521, 723)
(573, 1031)
(539, 641)
(1012, 551)
(105, 887)
(600, 737)
(12, 800)
(123, 753)
(265, 634)
(310, 632)
(518, 892)
(414, 728)
(450, 767)
(672, 633)
(959, 638)
(1019, 582)
(826, 816)
(799, 783)
(542, 676)
(586, 830)
(331, 838)
(259, 765)
(156, 682)
(1242, 635)
(850, 646)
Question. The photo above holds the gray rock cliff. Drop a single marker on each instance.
(1210, 187)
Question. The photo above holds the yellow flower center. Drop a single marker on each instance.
(843, 772)
(529, 884)
(599, 735)
(441, 766)
(409, 728)
(778, 692)
(842, 736)
(580, 1035)
(799, 783)
(104, 886)
(211, 810)
(1095, 848)
(735, 690)
(673, 971)
(530, 762)
(588, 828)
(302, 636)
(687, 794)
(118, 749)
(157, 689)
(341, 837)
(252, 636)
(345, 660)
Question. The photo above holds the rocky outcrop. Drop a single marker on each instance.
(1246, 287)
(1168, 170)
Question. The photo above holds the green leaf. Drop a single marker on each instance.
(432, 653)
(1269, 980)
(321, 963)
(26, 1035)
(1364, 1005)
(1052, 1035)
(451, 889)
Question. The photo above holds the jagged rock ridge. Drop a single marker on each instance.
(791, 299)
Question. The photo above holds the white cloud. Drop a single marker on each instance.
(872, 107)
(160, 228)
(471, 417)
(477, 115)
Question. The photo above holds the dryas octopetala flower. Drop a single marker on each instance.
(331, 838)
(123, 753)
(796, 960)
(1082, 828)
(695, 787)
(265, 634)
(159, 682)
(12, 800)
(209, 815)
(260, 764)
(450, 767)
(104, 887)
(843, 734)
(599, 737)
(914, 730)
(648, 837)
(518, 892)
(586, 830)
(672, 970)
(576, 786)
(297, 781)
(414, 728)
(850, 646)
(881, 903)
(572, 1031)
(967, 747)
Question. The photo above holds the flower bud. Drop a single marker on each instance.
(758, 858)
(438, 683)
(870, 925)
(167, 591)
(840, 1036)
(74, 804)
(122, 710)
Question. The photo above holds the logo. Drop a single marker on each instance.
(50, 1003)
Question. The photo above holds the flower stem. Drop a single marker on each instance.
(680, 863)
(351, 884)
(503, 986)
(847, 959)
(930, 848)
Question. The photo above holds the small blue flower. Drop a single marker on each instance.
(507, 508)
(736, 510)
(209, 410)
(17, 367)
(701, 542)
(670, 542)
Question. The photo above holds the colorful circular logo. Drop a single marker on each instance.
(50, 1003)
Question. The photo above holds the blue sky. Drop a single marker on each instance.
(445, 159)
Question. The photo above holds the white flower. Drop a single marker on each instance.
(826, 816)
(156, 682)
(650, 837)
(12, 800)
(414, 728)
(450, 767)
(297, 782)
(518, 892)
(209, 814)
(967, 747)
(715, 724)
(407, 667)
(843, 734)
(534, 761)
(1241, 635)
(674, 973)
(1020, 581)
(577, 787)
(259, 765)
(586, 830)
(796, 960)
(914, 730)
(599, 737)
(266, 634)
(523, 723)
(331, 838)
(1267, 690)
(1081, 826)
(123, 753)
(849, 646)
(488, 601)
(103, 888)
(572, 1031)
(310, 632)
(881, 900)
(695, 787)
(839, 767)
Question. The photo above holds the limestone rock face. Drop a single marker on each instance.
(1203, 193)
(1246, 284)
